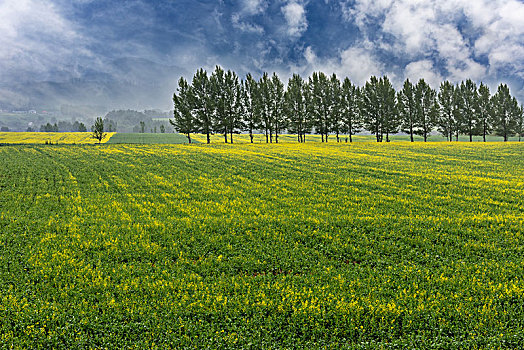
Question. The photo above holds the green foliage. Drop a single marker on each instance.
(468, 109)
(427, 109)
(98, 129)
(415, 246)
(249, 94)
(407, 109)
(484, 111)
(202, 103)
(183, 120)
(505, 112)
(224, 104)
(446, 121)
(351, 117)
(296, 107)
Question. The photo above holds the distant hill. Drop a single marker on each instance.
(126, 83)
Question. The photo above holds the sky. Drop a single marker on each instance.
(130, 53)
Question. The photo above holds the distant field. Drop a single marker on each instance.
(147, 138)
(361, 246)
(174, 138)
(52, 137)
(260, 138)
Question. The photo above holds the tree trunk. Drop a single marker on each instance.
(337, 137)
(208, 138)
(231, 136)
(251, 134)
(188, 137)
(411, 132)
(225, 135)
(267, 140)
(322, 137)
(387, 136)
(484, 132)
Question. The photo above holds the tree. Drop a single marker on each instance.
(407, 109)
(296, 107)
(370, 108)
(278, 119)
(468, 105)
(387, 107)
(505, 112)
(110, 125)
(320, 103)
(217, 82)
(249, 101)
(484, 110)
(446, 122)
(226, 97)
(162, 129)
(263, 106)
(335, 106)
(142, 127)
(183, 120)
(233, 103)
(349, 103)
(98, 129)
(426, 109)
(202, 103)
(520, 124)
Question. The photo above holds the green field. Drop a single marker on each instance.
(362, 246)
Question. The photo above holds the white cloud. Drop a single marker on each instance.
(357, 62)
(434, 29)
(253, 7)
(423, 69)
(36, 38)
(295, 16)
(245, 26)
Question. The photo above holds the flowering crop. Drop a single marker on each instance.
(267, 246)
(50, 137)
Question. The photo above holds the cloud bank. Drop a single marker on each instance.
(114, 53)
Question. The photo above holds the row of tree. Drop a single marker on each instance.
(222, 103)
(62, 126)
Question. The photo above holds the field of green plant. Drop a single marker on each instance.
(363, 245)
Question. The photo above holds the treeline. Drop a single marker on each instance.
(62, 126)
(221, 103)
(139, 122)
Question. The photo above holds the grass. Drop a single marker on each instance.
(361, 246)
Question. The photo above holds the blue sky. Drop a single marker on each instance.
(129, 54)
